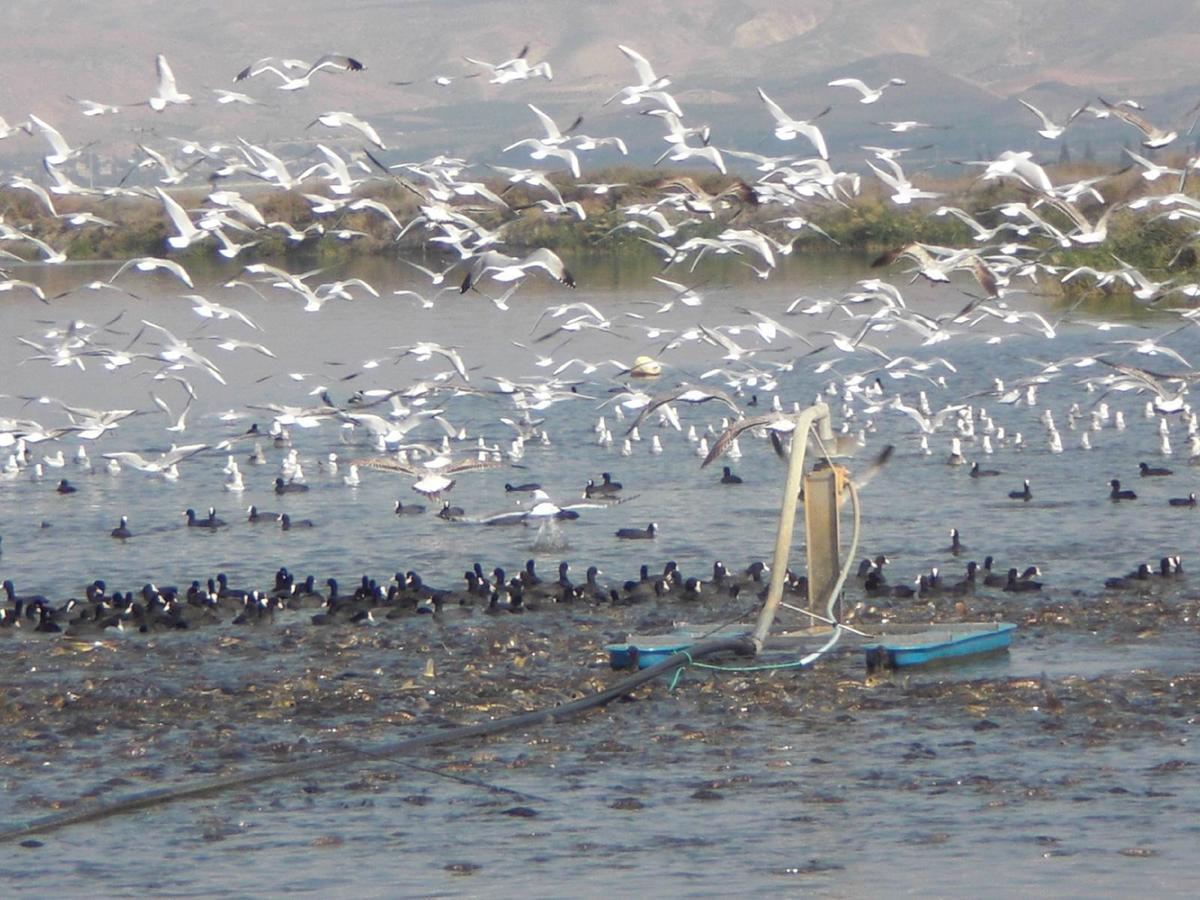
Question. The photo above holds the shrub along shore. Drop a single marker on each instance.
(867, 223)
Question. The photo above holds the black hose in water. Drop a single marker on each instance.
(162, 796)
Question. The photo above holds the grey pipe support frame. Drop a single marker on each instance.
(819, 415)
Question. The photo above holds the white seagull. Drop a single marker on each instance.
(1049, 130)
(226, 96)
(554, 135)
(156, 466)
(187, 233)
(150, 263)
(93, 108)
(904, 191)
(869, 94)
(7, 130)
(787, 128)
(515, 69)
(181, 353)
(62, 150)
(503, 267)
(424, 352)
(1155, 137)
(166, 93)
(649, 86)
(207, 309)
(349, 120)
(681, 152)
(335, 61)
(906, 126)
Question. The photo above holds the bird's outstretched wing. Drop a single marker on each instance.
(385, 464)
(689, 394)
(775, 421)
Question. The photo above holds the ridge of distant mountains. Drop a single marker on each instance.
(965, 64)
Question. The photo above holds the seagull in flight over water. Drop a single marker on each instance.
(503, 267)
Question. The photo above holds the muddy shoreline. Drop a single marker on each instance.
(95, 721)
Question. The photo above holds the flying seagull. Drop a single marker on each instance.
(869, 94)
(787, 128)
(1049, 130)
(335, 61)
(503, 267)
(166, 93)
(1155, 137)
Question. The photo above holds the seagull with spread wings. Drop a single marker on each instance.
(648, 82)
(516, 69)
(503, 267)
(424, 351)
(337, 119)
(686, 393)
(433, 476)
(161, 464)
(1167, 400)
(869, 94)
(1155, 137)
(180, 353)
(207, 309)
(166, 93)
(333, 61)
(62, 150)
(186, 232)
(1050, 130)
(1153, 346)
(150, 264)
(786, 128)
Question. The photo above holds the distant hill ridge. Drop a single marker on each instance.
(965, 64)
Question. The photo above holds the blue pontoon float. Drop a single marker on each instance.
(900, 646)
(886, 647)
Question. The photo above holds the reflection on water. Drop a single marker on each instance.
(765, 785)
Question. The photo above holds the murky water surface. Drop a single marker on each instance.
(1066, 767)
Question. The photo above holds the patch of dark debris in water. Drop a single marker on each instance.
(627, 803)
(1170, 766)
(995, 742)
(930, 839)
(521, 812)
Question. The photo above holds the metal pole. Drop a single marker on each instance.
(787, 519)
